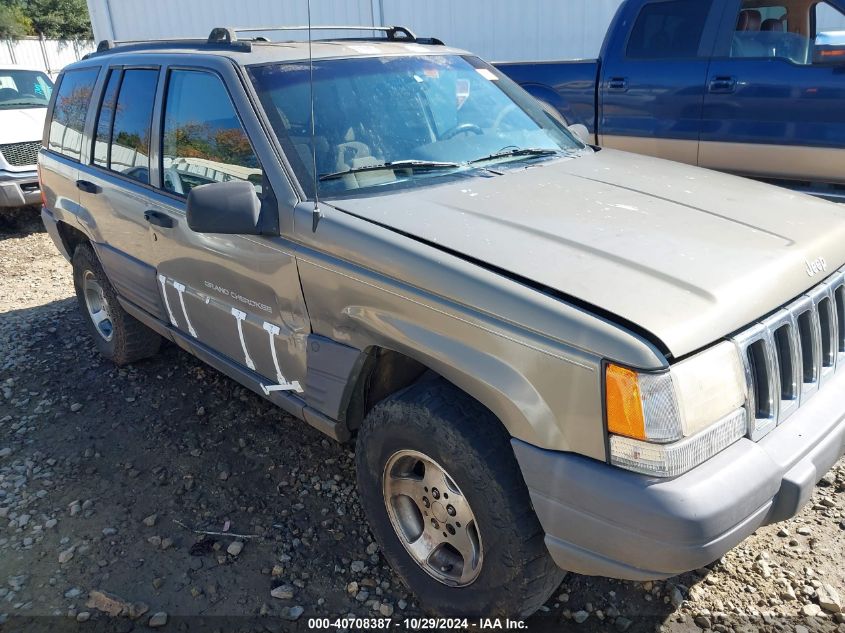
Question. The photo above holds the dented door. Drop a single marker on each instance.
(238, 295)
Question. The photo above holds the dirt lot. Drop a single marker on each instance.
(105, 472)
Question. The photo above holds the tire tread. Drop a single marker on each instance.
(529, 573)
(132, 340)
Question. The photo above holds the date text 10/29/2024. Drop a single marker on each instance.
(415, 624)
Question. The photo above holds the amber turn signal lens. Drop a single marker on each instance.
(623, 401)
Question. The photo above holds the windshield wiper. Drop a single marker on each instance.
(518, 151)
(418, 165)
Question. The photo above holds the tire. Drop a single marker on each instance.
(516, 574)
(119, 337)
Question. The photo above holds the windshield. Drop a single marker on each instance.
(24, 89)
(394, 122)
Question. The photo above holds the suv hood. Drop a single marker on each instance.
(21, 125)
(687, 254)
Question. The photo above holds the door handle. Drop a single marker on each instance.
(722, 84)
(618, 84)
(158, 219)
(88, 186)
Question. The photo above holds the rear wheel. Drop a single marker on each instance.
(446, 501)
(119, 337)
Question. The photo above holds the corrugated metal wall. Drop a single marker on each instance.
(505, 30)
(497, 30)
(48, 55)
(494, 29)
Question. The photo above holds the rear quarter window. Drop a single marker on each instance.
(72, 101)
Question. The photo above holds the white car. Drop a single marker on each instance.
(24, 95)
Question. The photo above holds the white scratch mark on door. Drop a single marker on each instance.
(180, 288)
(239, 318)
(163, 281)
(284, 385)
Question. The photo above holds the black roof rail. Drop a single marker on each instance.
(107, 46)
(392, 33)
(227, 38)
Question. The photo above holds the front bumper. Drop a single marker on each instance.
(604, 521)
(19, 188)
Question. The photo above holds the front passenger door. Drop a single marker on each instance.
(238, 295)
(771, 109)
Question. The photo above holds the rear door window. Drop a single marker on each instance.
(129, 149)
(203, 139)
(668, 30)
(70, 110)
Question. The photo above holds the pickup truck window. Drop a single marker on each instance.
(433, 115)
(203, 140)
(785, 30)
(773, 31)
(827, 18)
(668, 30)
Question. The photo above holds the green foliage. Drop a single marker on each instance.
(60, 19)
(14, 22)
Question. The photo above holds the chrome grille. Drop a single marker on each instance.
(21, 154)
(789, 355)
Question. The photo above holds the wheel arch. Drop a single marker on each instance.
(71, 237)
(386, 369)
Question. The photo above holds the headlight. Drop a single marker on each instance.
(666, 423)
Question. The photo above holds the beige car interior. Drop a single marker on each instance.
(779, 29)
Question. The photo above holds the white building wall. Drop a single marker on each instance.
(509, 30)
(495, 29)
(47, 55)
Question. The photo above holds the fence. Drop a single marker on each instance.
(47, 55)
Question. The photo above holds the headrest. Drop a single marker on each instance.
(772, 25)
(749, 20)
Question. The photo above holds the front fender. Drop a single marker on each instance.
(544, 393)
(481, 374)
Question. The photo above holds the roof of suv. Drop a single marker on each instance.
(256, 51)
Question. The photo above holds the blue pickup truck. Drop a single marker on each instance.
(753, 87)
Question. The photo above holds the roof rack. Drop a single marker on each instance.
(105, 46)
(230, 34)
(227, 38)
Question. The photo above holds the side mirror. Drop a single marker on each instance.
(829, 48)
(225, 207)
(581, 132)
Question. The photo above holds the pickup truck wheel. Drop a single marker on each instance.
(119, 337)
(446, 501)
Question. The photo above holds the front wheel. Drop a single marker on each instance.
(446, 501)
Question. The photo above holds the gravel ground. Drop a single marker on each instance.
(105, 473)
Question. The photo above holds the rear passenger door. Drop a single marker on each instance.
(774, 109)
(115, 184)
(63, 142)
(652, 84)
(239, 295)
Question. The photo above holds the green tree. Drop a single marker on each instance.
(61, 19)
(14, 22)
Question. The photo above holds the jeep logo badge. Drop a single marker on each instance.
(818, 265)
